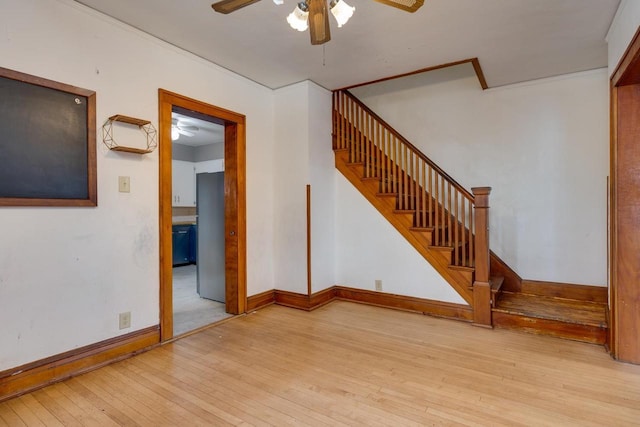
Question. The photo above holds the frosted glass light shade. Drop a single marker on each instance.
(299, 17)
(174, 134)
(341, 11)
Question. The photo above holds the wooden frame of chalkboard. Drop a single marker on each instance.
(47, 142)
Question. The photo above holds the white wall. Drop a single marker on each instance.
(322, 180)
(303, 139)
(624, 26)
(291, 176)
(66, 273)
(541, 145)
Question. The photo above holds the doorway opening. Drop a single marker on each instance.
(217, 175)
(197, 169)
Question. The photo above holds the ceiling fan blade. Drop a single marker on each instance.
(406, 5)
(190, 128)
(228, 6)
(318, 21)
(185, 132)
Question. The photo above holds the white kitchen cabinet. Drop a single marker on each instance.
(184, 183)
(210, 166)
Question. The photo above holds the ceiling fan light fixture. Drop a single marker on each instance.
(174, 134)
(298, 19)
(313, 15)
(341, 11)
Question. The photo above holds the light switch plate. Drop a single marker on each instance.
(123, 184)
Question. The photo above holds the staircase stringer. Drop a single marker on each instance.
(459, 280)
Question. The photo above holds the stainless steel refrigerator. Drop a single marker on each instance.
(210, 254)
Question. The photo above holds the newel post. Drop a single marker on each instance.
(481, 286)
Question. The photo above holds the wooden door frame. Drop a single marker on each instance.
(624, 319)
(235, 204)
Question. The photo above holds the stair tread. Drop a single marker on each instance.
(496, 283)
(552, 308)
(422, 229)
(450, 246)
(462, 268)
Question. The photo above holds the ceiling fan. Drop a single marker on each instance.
(179, 127)
(314, 13)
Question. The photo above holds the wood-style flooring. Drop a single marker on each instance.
(346, 364)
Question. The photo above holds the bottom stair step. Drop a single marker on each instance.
(496, 286)
(572, 319)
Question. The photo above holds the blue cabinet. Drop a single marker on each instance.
(185, 244)
(181, 244)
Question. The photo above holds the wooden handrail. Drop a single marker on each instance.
(413, 148)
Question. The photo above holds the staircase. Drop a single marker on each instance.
(444, 222)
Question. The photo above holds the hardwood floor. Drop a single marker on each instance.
(346, 364)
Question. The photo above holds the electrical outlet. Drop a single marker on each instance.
(125, 320)
(378, 285)
(124, 184)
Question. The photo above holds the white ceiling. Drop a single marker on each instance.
(515, 40)
(205, 134)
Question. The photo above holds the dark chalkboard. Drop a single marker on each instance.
(47, 142)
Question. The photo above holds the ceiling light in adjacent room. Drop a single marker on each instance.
(174, 134)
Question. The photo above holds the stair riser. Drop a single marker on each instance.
(388, 200)
(554, 328)
(405, 218)
(358, 168)
(449, 250)
(424, 237)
